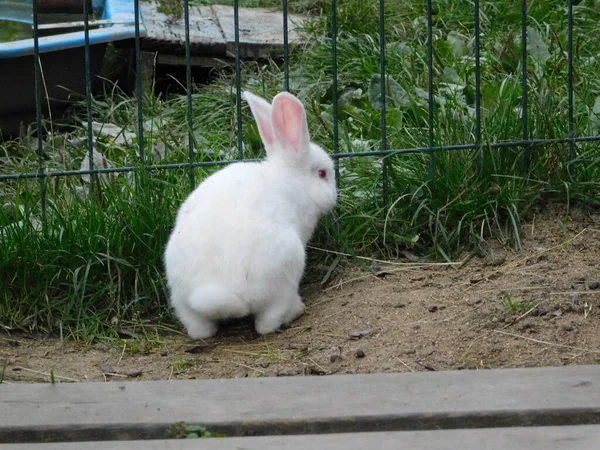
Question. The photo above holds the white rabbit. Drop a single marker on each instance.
(238, 245)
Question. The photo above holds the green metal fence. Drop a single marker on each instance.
(432, 148)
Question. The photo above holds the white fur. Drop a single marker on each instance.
(238, 245)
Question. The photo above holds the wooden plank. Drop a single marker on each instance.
(195, 61)
(164, 32)
(303, 405)
(261, 31)
(582, 437)
(212, 31)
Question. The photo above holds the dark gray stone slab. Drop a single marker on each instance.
(302, 405)
(583, 437)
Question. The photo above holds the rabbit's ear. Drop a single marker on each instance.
(261, 110)
(289, 124)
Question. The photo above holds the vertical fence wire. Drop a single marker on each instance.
(188, 84)
(38, 110)
(430, 87)
(383, 99)
(477, 76)
(334, 69)
(88, 91)
(524, 115)
(286, 49)
(138, 82)
(570, 84)
(238, 78)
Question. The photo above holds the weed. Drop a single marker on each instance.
(517, 305)
(181, 430)
(181, 363)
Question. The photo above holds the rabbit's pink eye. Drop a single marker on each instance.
(322, 173)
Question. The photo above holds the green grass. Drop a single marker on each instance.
(85, 265)
(517, 305)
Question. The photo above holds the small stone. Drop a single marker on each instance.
(474, 301)
(432, 308)
(360, 334)
(567, 327)
(9, 210)
(496, 261)
(427, 351)
(399, 305)
(360, 353)
(102, 346)
(345, 302)
(163, 353)
(335, 357)
(483, 313)
(527, 324)
(594, 285)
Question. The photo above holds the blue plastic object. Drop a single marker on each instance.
(121, 12)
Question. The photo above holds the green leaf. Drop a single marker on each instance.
(451, 76)
(195, 429)
(393, 90)
(458, 42)
(192, 436)
(594, 119)
(536, 47)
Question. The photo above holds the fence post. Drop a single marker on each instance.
(238, 78)
(524, 115)
(188, 84)
(37, 64)
(570, 86)
(336, 137)
(286, 52)
(383, 99)
(430, 88)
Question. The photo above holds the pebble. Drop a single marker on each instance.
(541, 310)
(594, 285)
(527, 324)
(432, 308)
(360, 353)
(9, 210)
(567, 327)
(399, 305)
(333, 358)
(163, 353)
(474, 301)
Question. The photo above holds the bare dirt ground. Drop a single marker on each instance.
(538, 307)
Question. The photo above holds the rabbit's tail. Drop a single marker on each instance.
(216, 302)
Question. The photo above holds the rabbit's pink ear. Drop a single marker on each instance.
(261, 110)
(289, 123)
